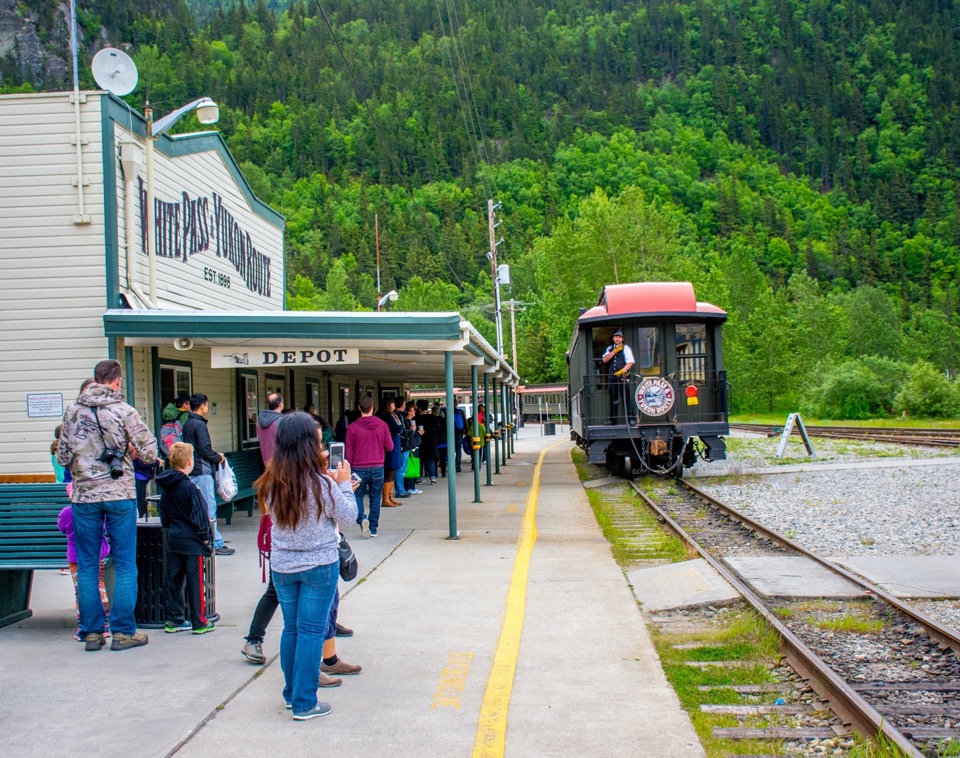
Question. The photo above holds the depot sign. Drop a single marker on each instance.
(288, 357)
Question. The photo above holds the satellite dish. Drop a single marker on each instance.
(114, 71)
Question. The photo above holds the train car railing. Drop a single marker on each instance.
(701, 397)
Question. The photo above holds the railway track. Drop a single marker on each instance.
(894, 435)
(902, 682)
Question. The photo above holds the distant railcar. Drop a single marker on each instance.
(540, 402)
(658, 415)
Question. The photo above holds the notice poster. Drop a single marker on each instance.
(45, 405)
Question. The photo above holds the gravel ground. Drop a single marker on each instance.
(908, 510)
(902, 510)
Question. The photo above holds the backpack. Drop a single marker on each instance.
(458, 422)
(170, 433)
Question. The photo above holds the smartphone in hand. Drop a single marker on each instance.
(355, 478)
(336, 454)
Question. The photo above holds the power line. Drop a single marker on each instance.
(472, 139)
(390, 154)
(468, 87)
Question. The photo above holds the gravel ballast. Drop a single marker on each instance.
(859, 511)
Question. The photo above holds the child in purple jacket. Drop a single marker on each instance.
(65, 525)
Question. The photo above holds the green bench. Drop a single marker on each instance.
(247, 467)
(29, 540)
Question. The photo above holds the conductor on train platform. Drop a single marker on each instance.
(618, 358)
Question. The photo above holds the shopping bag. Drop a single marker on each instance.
(413, 467)
(226, 481)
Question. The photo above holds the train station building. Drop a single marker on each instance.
(205, 313)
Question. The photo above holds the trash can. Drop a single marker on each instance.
(549, 428)
(149, 612)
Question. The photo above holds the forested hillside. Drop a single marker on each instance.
(798, 161)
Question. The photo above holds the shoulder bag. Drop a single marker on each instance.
(348, 561)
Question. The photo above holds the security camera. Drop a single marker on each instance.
(183, 343)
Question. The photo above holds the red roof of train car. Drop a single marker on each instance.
(648, 297)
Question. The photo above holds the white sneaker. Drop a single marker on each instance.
(365, 527)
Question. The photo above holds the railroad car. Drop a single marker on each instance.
(658, 415)
(543, 401)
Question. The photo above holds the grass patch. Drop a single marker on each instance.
(851, 624)
(633, 531)
(744, 637)
(779, 419)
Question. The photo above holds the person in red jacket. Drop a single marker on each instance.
(368, 439)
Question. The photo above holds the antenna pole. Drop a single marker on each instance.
(376, 229)
(148, 214)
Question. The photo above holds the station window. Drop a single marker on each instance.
(249, 408)
(312, 394)
(174, 379)
(692, 351)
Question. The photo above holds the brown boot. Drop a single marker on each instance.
(387, 499)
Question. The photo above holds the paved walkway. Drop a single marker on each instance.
(522, 639)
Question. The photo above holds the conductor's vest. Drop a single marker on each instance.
(617, 362)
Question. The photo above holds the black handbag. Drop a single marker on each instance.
(348, 561)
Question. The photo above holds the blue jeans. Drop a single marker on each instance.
(371, 483)
(305, 600)
(120, 517)
(428, 467)
(398, 478)
(205, 483)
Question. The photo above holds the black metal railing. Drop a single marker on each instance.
(708, 403)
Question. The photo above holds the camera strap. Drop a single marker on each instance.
(96, 417)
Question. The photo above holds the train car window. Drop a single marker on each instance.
(692, 351)
(602, 339)
(647, 351)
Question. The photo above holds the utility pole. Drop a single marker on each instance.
(513, 330)
(492, 255)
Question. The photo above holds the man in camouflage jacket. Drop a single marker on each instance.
(100, 421)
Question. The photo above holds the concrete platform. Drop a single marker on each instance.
(680, 585)
(603, 482)
(791, 576)
(909, 576)
(431, 616)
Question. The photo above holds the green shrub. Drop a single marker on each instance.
(927, 393)
(860, 388)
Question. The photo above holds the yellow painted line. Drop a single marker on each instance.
(491, 741)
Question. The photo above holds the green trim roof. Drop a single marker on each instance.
(287, 325)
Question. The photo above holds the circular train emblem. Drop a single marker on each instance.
(655, 396)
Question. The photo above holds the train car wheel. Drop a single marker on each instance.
(627, 463)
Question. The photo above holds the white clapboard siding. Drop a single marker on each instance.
(186, 284)
(53, 293)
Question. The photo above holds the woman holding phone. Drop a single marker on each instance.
(305, 500)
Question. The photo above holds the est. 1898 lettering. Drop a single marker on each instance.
(215, 277)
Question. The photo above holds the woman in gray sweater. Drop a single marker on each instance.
(305, 500)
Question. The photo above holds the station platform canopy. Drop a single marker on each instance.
(398, 346)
